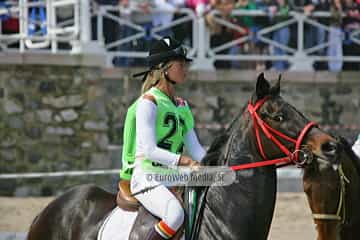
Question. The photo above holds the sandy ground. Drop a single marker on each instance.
(292, 218)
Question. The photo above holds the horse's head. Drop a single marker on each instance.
(282, 131)
(331, 198)
(269, 131)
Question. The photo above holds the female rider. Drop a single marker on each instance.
(163, 125)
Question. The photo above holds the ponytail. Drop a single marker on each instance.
(153, 77)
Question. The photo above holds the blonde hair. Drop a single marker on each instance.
(154, 77)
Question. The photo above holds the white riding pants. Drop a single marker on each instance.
(160, 201)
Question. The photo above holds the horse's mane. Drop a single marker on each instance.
(214, 155)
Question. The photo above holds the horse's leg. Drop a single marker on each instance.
(76, 215)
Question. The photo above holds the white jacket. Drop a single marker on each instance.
(167, 9)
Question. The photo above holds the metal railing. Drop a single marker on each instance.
(140, 32)
(39, 35)
(76, 31)
(301, 58)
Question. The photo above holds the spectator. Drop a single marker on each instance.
(110, 28)
(261, 22)
(351, 22)
(138, 12)
(248, 26)
(183, 32)
(125, 31)
(166, 14)
(335, 37)
(142, 16)
(280, 13)
(316, 35)
(220, 34)
(246, 21)
(224, 7)
(9, 24)
(199, 6)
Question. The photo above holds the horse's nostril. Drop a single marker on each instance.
(329, 149)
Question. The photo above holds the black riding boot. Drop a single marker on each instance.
(154, 235)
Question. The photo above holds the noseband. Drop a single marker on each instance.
(271, 134)
(340, 214)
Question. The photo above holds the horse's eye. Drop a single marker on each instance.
(278, 118)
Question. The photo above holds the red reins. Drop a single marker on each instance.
(269, 132)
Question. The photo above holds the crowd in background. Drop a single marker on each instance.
(345, 18)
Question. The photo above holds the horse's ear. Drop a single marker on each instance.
(262, 86)
(275, 90)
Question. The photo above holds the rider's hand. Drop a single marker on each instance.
(185, 161)
(195, 166)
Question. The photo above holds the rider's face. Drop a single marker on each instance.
(178, 70)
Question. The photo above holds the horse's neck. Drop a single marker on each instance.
(243, 210)
(232, 212)
(352, 206)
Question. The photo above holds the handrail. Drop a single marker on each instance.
(106, 12)
(203, 53)
(31, 25)
(300, 57)
(54, 30)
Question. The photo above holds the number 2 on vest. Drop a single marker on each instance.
(173, 123)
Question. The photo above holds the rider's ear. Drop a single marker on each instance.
(262, 87)
(275, 90)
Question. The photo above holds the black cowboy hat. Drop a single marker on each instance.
(164, 50)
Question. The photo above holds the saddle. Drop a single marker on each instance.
(127, 202)
(124, 199)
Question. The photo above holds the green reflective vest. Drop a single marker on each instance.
(172, 123)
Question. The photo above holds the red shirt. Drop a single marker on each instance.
(11, 25)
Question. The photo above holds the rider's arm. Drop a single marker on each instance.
(146, 135)
(193, 146)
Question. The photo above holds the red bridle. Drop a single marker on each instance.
(269, 132)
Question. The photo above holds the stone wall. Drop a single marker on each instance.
(56, 118)
(52, 119)
(331, 100)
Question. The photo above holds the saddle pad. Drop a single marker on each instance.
(117, 225)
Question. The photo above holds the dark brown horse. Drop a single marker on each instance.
(332, 187)
(240, 211)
